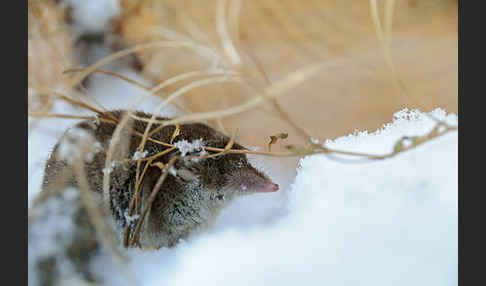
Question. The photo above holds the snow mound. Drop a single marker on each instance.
(389, 222)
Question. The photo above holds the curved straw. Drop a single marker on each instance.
(95, 217)
(178, 93)
(389, 9)
(167, 44)
(224, 36)
(272, 91)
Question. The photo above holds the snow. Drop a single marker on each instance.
(139, 155)
(173, 171)
(129, 218)
(53, 231)
(112, 167)
(43, 135)
(185, 146)
(390, 222)
(341, 222)
(53, 215)
(352, 222)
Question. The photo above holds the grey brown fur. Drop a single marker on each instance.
(187, 201)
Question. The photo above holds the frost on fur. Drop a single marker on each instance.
(112, 167)
(139, 155)
(173, 171)
(185, 146)
(130, 218)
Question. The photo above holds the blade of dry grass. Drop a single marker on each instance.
(159, 44)
(151, 198)
(222, 28)
(178, 93)
(389, 9)
(73, 101)
(55, 115)
(272, 91)
(226, 149)
(98, 223)
(134, 82)
(115, 139)
(233, 18)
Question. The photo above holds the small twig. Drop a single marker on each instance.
(147, 207)
(226, 149)
(45, 90)
(134, 201)
(158, 44)
(220, 124)
(55, 115)
(131, 81)
(320, 150)
(177, 131)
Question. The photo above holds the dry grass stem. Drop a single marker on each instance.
(153, 91)
(222, 129)
(151, 198)
(55, 115)
(226, 149)
(158, 44)
(222, 28)
(270, 92)
(73, 101)
(115, 139)
(175, 95)
(177, 132)
(96, 216)
(233, 18)
(280, 111)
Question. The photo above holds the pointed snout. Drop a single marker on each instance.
(253, 181)
(272, 187)
(268, 188)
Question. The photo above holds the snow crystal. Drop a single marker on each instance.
(195, 158)
(406, 114)
(185, 146)
(112, 167)
(172, 171)
(139, 155)
(97, 120)
(130, 218)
